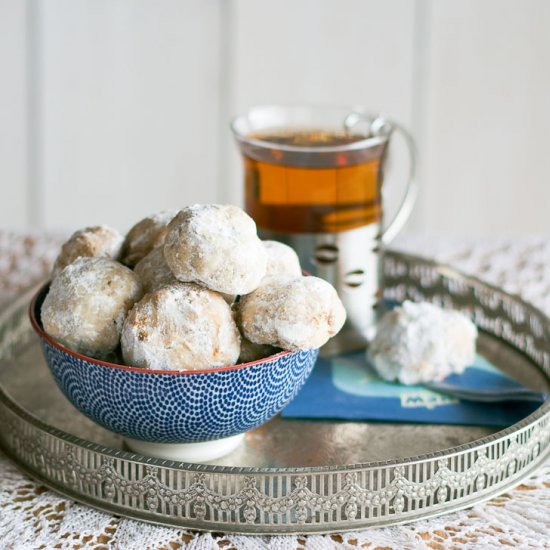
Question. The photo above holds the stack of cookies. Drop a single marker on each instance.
(191, 290)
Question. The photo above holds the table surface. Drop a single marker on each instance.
(31, 516)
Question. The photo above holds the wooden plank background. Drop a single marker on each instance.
(110, 110)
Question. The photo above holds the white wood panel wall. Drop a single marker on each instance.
(129, 107)
(110, 110)
(14, 146)
(486, 163)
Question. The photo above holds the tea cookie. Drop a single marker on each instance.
(87, 303)
(153, 271)
(217, 247)
(99, 241)
(145, 235)
(281, 260)
(292, 313)
(254, 352)
(417, 343)
(180, 327)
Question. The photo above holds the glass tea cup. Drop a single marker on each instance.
(313, 179)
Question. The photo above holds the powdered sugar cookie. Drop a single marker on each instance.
(281, 260)
(180, 327)
(87, 303)
(292, 313)
(153, 271)
(417, 343)
(98, 241)
(216, 246)
(145, 235)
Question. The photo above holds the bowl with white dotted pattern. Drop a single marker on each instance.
(194, 415)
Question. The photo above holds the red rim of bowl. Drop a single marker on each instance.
(40, 331)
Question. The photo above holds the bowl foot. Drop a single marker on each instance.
(186, 452)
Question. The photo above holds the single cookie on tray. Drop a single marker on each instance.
(418, 342)
(87, 303)
(180, 327)
(217, 247)
(292, 313)
(146, 235)
(98, 241)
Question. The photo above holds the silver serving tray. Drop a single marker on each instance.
(292, 476)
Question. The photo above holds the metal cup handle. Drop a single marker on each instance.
(380, 126)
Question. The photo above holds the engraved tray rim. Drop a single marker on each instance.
(294, 520)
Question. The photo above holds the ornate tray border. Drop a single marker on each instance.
(300, 500)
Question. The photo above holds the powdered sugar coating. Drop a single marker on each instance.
(281, 260)
(180, 327)
(153, 271)
(420, 342)
(292, 313)
(146, 235)
(217, 247)
(87, 303)
(98, 241)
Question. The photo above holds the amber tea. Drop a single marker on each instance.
(312, 181)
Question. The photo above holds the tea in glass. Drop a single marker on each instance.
(325, 191)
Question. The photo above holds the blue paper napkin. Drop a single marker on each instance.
(346, 387)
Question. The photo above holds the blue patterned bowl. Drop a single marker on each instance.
(174, 407)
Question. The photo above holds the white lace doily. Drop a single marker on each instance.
(34, 517)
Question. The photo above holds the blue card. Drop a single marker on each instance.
(345, 387)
